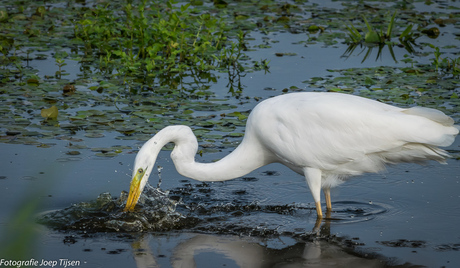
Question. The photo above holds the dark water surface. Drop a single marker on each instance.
(410, 214)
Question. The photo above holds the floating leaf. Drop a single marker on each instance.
(40, 11)
(239, 115)
(315, 28)
(432, 33)
(94, 135)
(369, 81)
(220, 3)
(236, 134)
(68, 90)
(50, 113)
(72, 153)
(33, 82)
(3, 15)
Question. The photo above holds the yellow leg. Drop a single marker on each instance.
(327, 195)
(317, 227)
(319, 212)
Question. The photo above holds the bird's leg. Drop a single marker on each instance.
(327, 195)
(313, 177)
(319, 212)
(317, 228)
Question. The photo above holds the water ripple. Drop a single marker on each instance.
(352, 211)
(191, 208)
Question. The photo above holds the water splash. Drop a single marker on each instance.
(193, 208)
(155, 212)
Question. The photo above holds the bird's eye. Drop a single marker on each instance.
(140, 171)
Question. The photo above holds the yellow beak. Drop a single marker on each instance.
(134, 192)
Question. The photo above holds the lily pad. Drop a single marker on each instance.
(50, 113)
(94, 135)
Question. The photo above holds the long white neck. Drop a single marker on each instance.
(248, 156)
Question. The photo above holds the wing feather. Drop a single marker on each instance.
(348, 134)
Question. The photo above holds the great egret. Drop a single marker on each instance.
(327, 137)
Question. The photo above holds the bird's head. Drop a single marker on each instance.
(143, 166)
(147, 155)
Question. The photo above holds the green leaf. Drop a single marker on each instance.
(391, 25)
(369, 81)
(50, 113)
(369, 27)
(184, 7)
(406, 32)
(372, 37)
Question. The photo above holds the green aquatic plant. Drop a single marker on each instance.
(379, 38)
(148, 40)
(262, 65)
(155, 96)
(445, 64)
(60, 63)
(373, 36)
(354, 34)
(437, 56)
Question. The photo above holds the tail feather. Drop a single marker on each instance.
(432, 114)
(441, 133)
(415, 153)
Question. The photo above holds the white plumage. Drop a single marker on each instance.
(326, 137)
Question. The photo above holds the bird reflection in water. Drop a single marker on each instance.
(312, 250)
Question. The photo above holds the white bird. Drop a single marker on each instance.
(326, 137)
